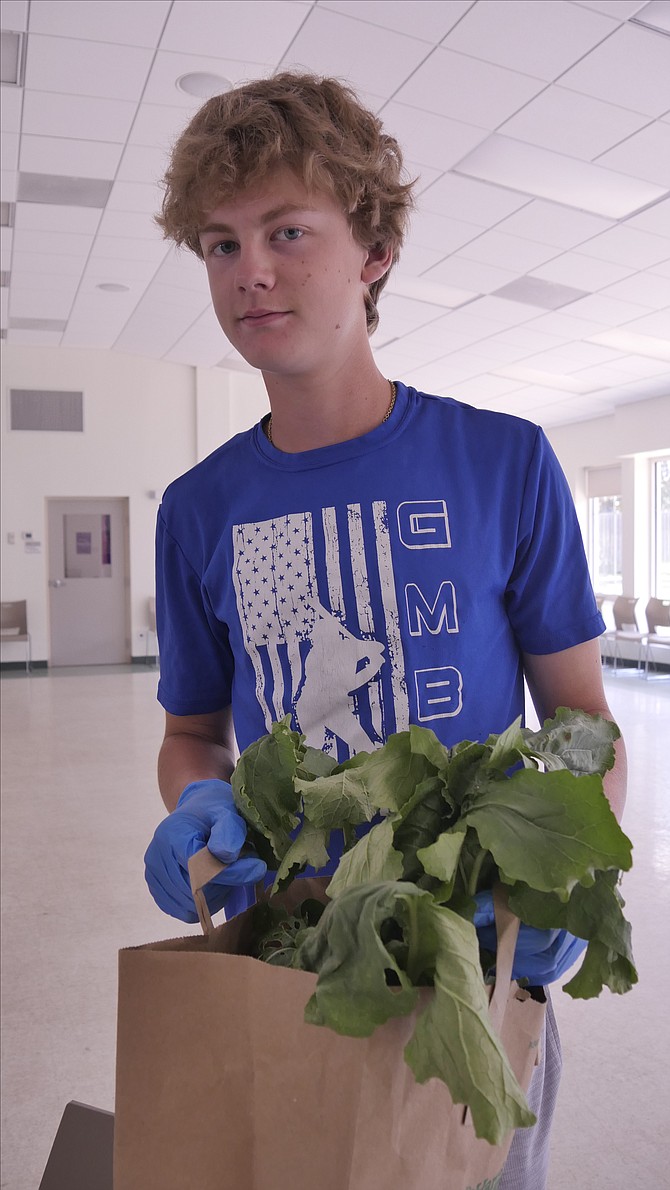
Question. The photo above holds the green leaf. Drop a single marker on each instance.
(371, 861)
(583, 742)
(594, 913)
(263, 787)
(550, 830)
(315, 763)
(454, 1040)
(310, 847)
(507, 748)
(441, 858)
(393, 772)
(353, 995)
(423, 817)
(335, 801)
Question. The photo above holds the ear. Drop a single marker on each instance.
(377, 262)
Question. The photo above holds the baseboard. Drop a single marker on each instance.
(7, 665)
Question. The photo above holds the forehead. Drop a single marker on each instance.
(277, 193)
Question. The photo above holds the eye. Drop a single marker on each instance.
(223, 248)
(290, 233)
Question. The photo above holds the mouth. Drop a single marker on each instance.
(256, 318)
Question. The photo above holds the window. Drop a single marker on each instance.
(661, 528)
(605, 529)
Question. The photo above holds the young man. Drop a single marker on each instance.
(368, 556)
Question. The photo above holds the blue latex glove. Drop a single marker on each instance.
(205, 815)
(541, 956)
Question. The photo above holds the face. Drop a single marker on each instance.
(287, 277)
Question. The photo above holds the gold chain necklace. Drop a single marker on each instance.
(389, 411)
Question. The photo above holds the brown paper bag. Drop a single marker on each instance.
(222, 1086)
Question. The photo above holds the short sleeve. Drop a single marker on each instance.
(195, 660)
(550, 599)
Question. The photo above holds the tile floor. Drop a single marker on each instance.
(79, 805)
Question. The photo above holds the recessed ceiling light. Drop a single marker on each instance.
(11, 55)
(203, 85)
(113, 287)
(542, 173)
(633, 343)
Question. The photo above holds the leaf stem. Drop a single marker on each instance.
(413, 941)
(475, 870)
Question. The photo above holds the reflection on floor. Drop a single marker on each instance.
(79, 806)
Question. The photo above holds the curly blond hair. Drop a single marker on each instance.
(315, 126)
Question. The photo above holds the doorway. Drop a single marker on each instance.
(89, 581)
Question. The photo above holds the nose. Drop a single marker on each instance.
(254, 269)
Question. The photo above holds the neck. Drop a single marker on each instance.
(310, 412)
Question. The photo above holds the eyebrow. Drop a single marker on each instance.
(288, 208)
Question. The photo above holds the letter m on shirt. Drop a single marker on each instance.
(438, 616)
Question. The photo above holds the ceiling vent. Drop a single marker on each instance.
(62, 191)
(533, 291)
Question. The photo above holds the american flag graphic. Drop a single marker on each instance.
(317, 604)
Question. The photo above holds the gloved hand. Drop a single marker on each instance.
(541, 956)
(205, 815)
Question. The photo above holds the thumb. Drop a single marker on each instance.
(227, 837)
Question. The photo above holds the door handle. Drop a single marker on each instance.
(56, 582)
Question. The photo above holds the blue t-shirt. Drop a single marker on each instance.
(392, 579)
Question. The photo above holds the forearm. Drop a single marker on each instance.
(195, 748)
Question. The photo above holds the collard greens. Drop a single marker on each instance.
(424, 829)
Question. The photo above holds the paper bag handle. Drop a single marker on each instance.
(507, 932)
(203, 867)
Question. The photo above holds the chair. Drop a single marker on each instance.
(14, 626)
(626, 627)
(657, 613)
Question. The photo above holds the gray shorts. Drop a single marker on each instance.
(527, 1165)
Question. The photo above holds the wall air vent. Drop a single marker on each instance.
(39, 409)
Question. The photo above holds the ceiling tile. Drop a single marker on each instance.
(536, 39)
(32, 216)
(577, 125)
(571, 357)
(142, 163)
(655, 220)
(657, 325)
(157, 126)
(429, 139)
(8, 185)
(129, 224)
(47, 114)
(469, 274)
(644, 155)
(15, 15)
(605, 310)
(127, 248)
(6, 246)
(135, 196)
(267, 25)
(124, 22)
(70, 158)
(423, 176)
(27, 264)
(564, 325)
(662, 269)
(472, 201)
(128, 272)
(583, 272)
(413, 314)
(622, 9)
(41, 303)
(416, 259)
(543, 174)
(506, 251)
(499, 310)
(644, 288)
(361, 54)
(9, 143)
(431, 23)
(35, 338)
(631, 68)
(10, 108)
(42, 242)
(67, 66)
(526, 337)
(440, 232)
(456, 86)
(628, 246)
(550, 223)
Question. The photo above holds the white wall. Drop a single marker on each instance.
(145, 422)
